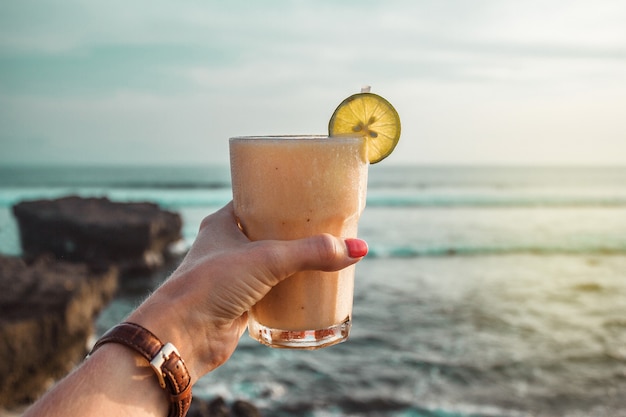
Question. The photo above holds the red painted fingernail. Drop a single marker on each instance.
(357, 248)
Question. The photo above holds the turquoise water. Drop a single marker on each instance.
(487, 292)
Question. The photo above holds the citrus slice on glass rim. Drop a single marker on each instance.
(370, 116)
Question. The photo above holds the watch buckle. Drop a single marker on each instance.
(157, 362)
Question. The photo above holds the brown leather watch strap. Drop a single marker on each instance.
(169, 367)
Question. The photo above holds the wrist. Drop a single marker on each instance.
(168, 327)
(203, 342)
(124, 377)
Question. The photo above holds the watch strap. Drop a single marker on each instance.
(164, 359)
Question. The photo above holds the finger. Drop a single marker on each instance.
(219, 230)
(223, 222)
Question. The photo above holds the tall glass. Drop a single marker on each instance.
(290, 187)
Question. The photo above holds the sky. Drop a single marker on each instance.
(160, 82)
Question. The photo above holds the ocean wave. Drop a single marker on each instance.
(478, 250)
(175, 197)
(180, 187)
(496, 198)
(166, 198)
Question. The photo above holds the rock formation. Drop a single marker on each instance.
(73, 251)
(47, 312)
(132, 236)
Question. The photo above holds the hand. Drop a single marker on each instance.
(202, 307)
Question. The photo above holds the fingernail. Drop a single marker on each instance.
(357, 248)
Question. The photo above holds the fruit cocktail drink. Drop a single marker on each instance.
(290, 187)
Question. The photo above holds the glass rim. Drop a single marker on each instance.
(296, 137)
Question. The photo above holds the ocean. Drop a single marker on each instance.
(488, 291)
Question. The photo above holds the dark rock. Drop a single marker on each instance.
(133, 236)
(357, 406)
(47, 312)
(217, 407)
(242, 408)
(200, 408)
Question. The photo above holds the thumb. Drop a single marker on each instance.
(323, 252)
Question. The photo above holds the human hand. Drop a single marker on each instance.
(202, 307)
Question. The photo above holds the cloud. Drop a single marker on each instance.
(490, 74)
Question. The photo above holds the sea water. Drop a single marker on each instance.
(488, 291)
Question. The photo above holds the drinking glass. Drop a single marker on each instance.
(290, 187)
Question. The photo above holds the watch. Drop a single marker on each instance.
(164, 359)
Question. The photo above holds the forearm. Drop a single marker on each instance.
(114, 381)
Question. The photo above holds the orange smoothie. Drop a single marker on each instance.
(292, 187)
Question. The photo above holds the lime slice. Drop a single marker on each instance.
(371, 116)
